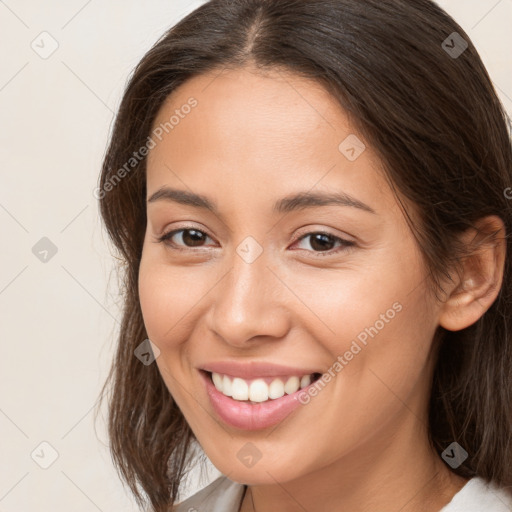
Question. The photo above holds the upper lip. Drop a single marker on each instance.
(254, 369)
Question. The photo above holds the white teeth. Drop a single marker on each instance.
(276, 389)
(292, 385)
(240, 389)
(226, 385)
(217, 380)
(258, 390)
(305, 381)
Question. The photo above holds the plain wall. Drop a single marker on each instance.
(59, 317)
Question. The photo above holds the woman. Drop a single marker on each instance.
(310, 200)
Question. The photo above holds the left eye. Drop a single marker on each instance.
(323, 242)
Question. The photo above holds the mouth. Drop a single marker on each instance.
(261, 389)
(254, 404)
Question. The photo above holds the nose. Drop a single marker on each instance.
(249, 302)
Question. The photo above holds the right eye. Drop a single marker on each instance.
(190, 237)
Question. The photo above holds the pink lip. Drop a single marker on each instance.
(249, 416)
(255, 369)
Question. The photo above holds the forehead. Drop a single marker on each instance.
(257, 131)
(273, 106)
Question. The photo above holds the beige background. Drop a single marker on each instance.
(58, 319)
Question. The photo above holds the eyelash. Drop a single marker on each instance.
(345, 244)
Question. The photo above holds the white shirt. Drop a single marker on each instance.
(479, 496)
(224, 495)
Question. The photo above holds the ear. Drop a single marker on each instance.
(477, 285)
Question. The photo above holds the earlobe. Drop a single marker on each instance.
(478, 284)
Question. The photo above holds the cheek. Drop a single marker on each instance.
(164, 306)
(171, 299)
(359, 304)
(162, 301)
(377, 329)
(384, 363)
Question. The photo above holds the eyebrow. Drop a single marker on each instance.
(293, 202)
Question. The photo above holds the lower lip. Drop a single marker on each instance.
(248, 416)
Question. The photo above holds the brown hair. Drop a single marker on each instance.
(434, 119)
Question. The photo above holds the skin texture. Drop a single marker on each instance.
(361, 443)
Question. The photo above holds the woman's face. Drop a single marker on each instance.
(311, 284)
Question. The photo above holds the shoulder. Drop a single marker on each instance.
(221, 495)
(480, 496)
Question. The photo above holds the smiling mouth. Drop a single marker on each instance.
(262, 389)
